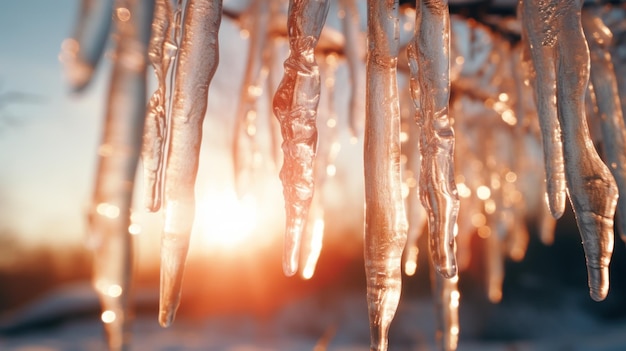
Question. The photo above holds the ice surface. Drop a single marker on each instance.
(81, 53)
(542, 77)
(561, 59)
(196, 64)
(109, 218)
(385, 220)
(446, 297)
(609, 116)
(162, 50)
(246, 154)
(417, 217)
(430, 67)
(354, 44)
(295, 106)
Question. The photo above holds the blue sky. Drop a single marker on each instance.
(47, 159)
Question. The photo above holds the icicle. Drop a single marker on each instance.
(446, 295)
(109, 220)
(429, 50)
(276, 53)
(295, 105)
(416, 213)
(161, 51)
(354, 56)
(324, 167)
(608, 103)
(312, 237)
(542, 77)
(385, 221)
(246, 154)
(329, 145)
(559, 50)
(81, 53)
(196, 65)
(494, 260)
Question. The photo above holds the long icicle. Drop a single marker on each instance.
(429, 50)
(81, 53)
(385, 220)
(354, 56)
(246, 153)
(446, 295)
(556, 40)
(295, 105)
(543, 80)
(109, 219)
(610, 118)
(196, 65)
(161, 51)
(416, 214)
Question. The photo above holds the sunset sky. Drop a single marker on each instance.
(48, 159)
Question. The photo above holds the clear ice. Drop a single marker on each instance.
(161, 51)
(447, 299)
(493, 79)
(544, 85)
(246, 153)
(354, 55)
(609, 116)
(385, 221)
(324, 167)
(295, 106)
(559, 50)
(195, 66)
(416, 214)
(109, 218)
(81, 53)
(430, 67)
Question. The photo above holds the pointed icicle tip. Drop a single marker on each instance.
(166, 317)
(448, 272)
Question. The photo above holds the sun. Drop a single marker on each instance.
(224, 220)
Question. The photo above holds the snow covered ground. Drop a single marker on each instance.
(535, 314)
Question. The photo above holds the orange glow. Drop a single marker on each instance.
(108, 316)
(226, 221)
(316, 249)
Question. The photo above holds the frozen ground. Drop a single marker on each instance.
(545, 306)
(67, 320)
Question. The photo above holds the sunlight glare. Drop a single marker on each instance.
(226, 221)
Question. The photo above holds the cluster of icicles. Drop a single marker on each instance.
(409, 140)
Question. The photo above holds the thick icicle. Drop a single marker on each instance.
(542, 77)
(295, 105)
(246, 153)
(81, 53)
(429, 50)
(385, 221)
(161, 51)
(354, 56)
(109, 219)
(446, 295)
(609, 117)
(197, 61)
(559, 50)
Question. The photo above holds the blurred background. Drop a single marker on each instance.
(235, 296)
